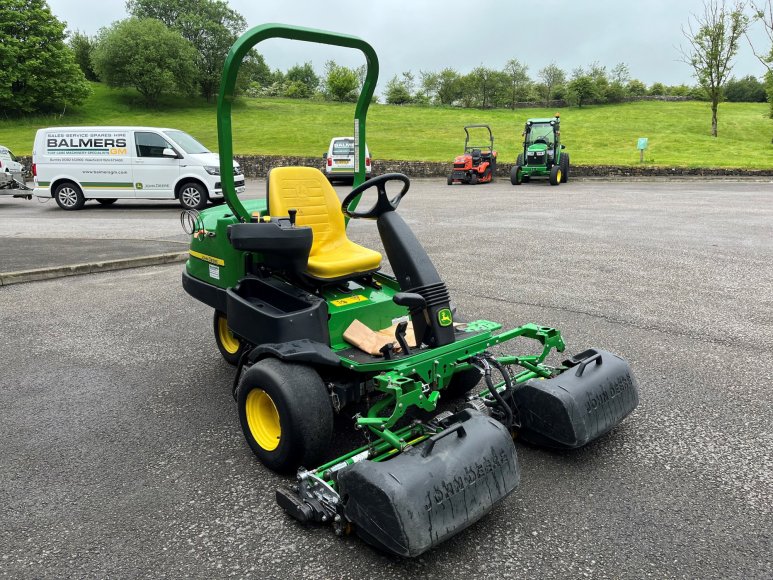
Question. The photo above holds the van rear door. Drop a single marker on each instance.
(154, 174)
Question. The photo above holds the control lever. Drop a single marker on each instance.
(291, 213)
(387, 350)
(410, 299)
(400, 336)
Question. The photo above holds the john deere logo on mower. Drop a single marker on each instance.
(444, 317)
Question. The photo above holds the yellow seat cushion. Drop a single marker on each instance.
(333, 255)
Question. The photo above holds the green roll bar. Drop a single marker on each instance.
(231, 69)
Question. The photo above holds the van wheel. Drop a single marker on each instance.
(193, 196)
(69, 196)
(109, 201)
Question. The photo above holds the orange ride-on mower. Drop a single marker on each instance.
(478, 163)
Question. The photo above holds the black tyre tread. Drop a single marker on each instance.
(565, 168)
(514, 175)
(450, 180)
(202, 201)
(78, 204)
(305, 412)
(519, 159)
(553, 178)
(474, 179)
(231, 359)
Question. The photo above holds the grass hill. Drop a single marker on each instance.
(678, 132)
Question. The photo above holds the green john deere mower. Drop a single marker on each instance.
(296, 303)
(543, 154)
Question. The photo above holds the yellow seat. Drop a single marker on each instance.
(333, 256)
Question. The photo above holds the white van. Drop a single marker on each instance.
(339, 159)
(75, 164)
(11, 171)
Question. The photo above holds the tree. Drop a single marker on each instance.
(658, 89)
(620, 73)
(583, 90)
(552, 77)
(713, 43)
(397, 92)
(449, 86)
(143, 53)
(254, 73)
(82, 47)
(341, 83)
(38, 72)
(304, 79)
(745, 90)
(430, 83)
(517, 81)
(763, 12)
(636, 88)
(210, 25)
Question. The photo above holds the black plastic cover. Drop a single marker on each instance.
(263, 310)
(580, 404)
(283, 246)
(425, 495)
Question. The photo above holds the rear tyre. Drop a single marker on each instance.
(69, 196)
(109, 201)
(285, 414)
(564, 168)
(516, 175)
(450, 180)
(231, 347)
(555, 175)
(193, 195)
(519, 159)
(474, 179)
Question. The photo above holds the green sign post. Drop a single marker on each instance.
(641, 145)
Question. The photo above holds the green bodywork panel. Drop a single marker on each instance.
(373, 307)
(211, 252)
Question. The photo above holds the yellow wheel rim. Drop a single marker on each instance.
(263, 419)
(227, 339)
(558, 176)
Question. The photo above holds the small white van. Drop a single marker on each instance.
(76, 164)
(339, 159)
(10, 169)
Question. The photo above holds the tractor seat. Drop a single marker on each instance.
(476, 156)
(333, 255)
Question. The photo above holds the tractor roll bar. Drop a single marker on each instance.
(228, 81)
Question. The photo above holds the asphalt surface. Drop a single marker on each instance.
(122, 455)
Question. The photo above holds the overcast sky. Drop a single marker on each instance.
(430, 35)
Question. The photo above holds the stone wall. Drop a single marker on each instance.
(258, 166)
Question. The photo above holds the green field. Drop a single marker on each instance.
(678, 132)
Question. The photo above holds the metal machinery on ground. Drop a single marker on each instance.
(286, 283)
(478, 163)
(543, 154)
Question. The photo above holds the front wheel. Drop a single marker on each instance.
(193, 196)
(516, 175)
(69, 196)
(450, 180)
(230, 346)
(474, 179)
(285, 414)
(555, 175)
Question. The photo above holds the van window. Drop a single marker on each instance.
(343, 147)
(187, 143)
(150, 144)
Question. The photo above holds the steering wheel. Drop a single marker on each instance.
(383, 203)
(541, 140)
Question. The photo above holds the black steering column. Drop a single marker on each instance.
(423, 291)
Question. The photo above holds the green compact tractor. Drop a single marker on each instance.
(543, 155)
(287, 287)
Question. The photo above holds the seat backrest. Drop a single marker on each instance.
(308, 191)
